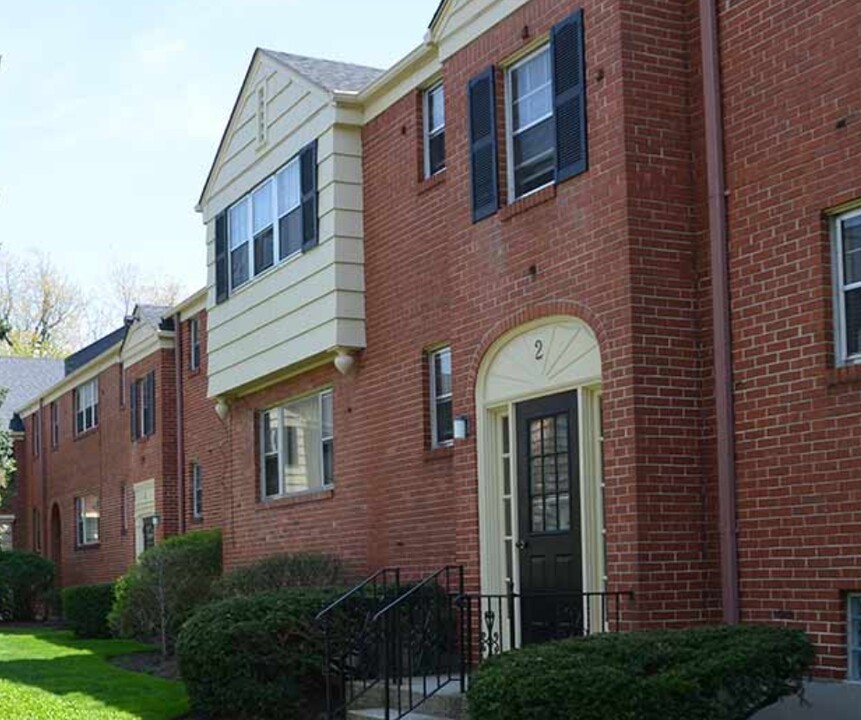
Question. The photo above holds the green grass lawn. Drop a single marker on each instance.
(49, 675)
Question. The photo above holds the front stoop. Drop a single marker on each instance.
(447, 704)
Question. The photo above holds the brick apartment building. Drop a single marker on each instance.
(568, 297)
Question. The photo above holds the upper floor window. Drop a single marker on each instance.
(531, 141)
(434, 130)
(55, 425)
(142, 394)
(87, 406)
(37, 433)
(87, 516)
(846, 233)
(297, 446)
(442, 422)
(196, 491)
(277, 220)
(194, 344)
(854, 627)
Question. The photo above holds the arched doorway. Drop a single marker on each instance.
(538, 413)
(57, 542)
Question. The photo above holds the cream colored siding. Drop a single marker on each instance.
(311, 304)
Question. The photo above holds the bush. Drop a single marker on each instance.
(281, 571)
(156, 596)
(709, 673)
(255, 657)
(25, 579)
(86, 609)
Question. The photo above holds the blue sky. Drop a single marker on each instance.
(111, 112)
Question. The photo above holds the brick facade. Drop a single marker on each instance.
(625, 248)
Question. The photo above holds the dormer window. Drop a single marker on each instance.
(277, 220)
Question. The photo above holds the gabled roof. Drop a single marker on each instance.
(437, 14)
(91, 352)
(328, 74)
(159, 316)
(25, 379)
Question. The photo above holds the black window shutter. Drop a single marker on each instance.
(150, 392)
(133, 408)
(308, 168)
(569, 96)
(221, 259)
(482, 145)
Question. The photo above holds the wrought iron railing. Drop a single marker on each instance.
(496, 623)
(351, 642)
(422, 634)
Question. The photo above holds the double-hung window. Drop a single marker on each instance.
(846, 232)
(434, 130)
(532, 135)
(142, 411)
(194, 344)
(275, 221)
(37, 433)
(55, 425)
(87, 516)
(196, 491)
(854, 628)
(87, 406)
(442, 422)
(297, 446)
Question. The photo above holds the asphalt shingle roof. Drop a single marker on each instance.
(91, 352)
(329, 74)
(25, 379)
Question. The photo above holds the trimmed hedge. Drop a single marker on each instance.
(707, 673)
(255, 657)
(171, 580)
(86, 609)
(25, 580)
(281, 571)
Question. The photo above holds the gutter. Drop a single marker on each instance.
(721, 318)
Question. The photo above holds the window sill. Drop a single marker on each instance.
(428, 184)
(443, 452)
(88, 546)
(86, 433)
(844, 375)
(197, 520)
(195, 372)
(528, 202)
(297, 499)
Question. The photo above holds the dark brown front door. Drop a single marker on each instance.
(551, 564)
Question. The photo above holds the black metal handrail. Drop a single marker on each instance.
(492, 618)
(422, 634)
(350, 664)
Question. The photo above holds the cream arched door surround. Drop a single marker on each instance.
(545, 357)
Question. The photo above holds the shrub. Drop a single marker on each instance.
(255, 657)
(169, 581)
(25, 578)
(86, 609)
(709, 673)
(281, 571)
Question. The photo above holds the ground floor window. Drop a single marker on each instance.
(87, 515)
(196, 491)
(854, 625)
(297, 446)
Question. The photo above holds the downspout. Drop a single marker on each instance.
(721, 319)
(43, 465)
(180, 427)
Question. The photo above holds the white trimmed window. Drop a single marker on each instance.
(87, 517)
(265, 227)
(37, 433)
(854, 643)
(194, 344)
(87, 406)
(434, 130)
(297, 446)
(196, 491)
(531, 135)
(846, 235)
(55, 425)
(441, 420)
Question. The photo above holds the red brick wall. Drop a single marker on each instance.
(787, 84)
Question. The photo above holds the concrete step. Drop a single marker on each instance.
(447, 702)
(380, 714)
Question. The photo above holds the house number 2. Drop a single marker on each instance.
(539, 349)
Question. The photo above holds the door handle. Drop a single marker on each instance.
(522, 544)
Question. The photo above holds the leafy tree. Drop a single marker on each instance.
(7, 457)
